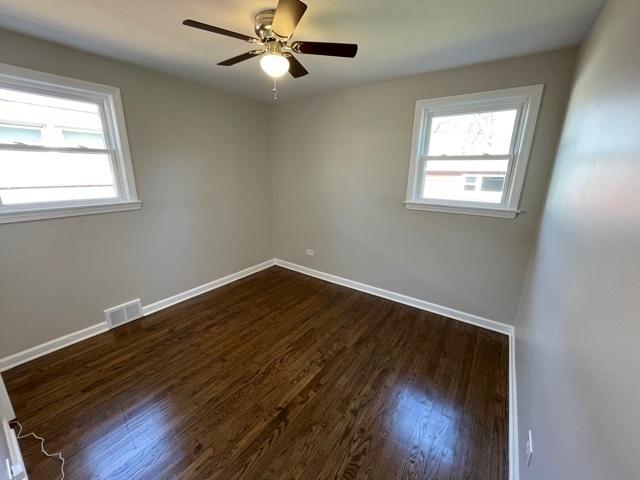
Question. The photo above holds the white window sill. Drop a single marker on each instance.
(464, 210)
(26, 215)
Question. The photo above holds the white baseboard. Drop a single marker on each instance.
(32, 353)
(400, 298)
(447, 312)
(51, 346)
(6, 410)
(194, 292)
(514, 457)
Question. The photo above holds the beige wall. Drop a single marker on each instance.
(578, 326)
(202, 173)
(340, 164)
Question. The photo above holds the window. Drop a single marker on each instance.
(470, 152)
(63, 148)
(470, 183)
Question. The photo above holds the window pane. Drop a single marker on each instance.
(74, 138)
(492, 184)
(486, 133)
(465, 180)
(43, 120)
(19, 134)
(31, 177)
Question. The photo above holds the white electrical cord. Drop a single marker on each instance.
(57, 455)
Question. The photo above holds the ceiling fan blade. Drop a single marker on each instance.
(326, 48)
(288, 14)
(241, 58)
(221, 31)
(296, 70)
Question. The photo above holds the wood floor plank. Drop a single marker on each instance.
(275, 376)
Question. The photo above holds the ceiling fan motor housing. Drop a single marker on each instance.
(263, 22)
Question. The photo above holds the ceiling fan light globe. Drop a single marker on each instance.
(274, 65)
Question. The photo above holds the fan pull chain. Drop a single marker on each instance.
(275, 90)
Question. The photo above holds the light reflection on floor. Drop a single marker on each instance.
(129, 434)
(427, 426)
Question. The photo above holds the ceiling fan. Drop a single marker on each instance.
(274, 29)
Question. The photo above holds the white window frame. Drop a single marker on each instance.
(525, 99)
(115, 134)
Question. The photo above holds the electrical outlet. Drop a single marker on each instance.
(310, 252)
(529, 448)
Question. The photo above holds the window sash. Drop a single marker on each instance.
(422, 174)
(37, 148)
(117, 183)
(426, 158)
(467, 110)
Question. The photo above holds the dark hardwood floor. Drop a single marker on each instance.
(276, 376)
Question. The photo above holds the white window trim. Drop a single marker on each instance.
(110, 102)
(525, 99)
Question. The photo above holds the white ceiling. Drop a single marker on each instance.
(397, 38)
